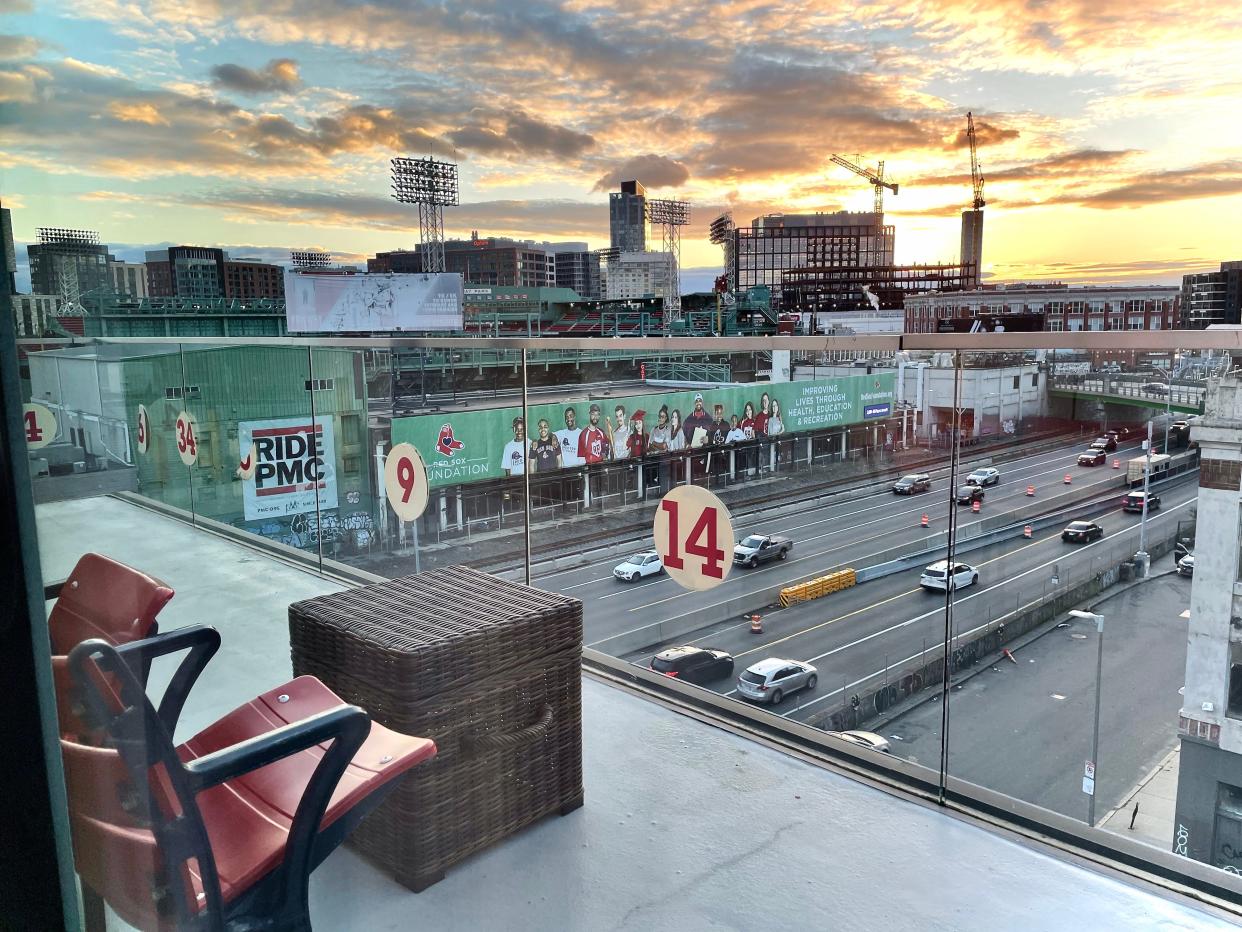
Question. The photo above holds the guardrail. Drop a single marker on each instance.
(815, 588)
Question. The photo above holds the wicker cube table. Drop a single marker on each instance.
(487, 668)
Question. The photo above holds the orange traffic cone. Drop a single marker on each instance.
(1068, 479)
(1027, 531)
(924, 522)
(975, 506)
(1030, 491)
(1116, 463)
(756, 624)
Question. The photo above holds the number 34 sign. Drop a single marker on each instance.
(694, 537)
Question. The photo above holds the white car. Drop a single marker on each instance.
(864, 739)
(936, 576)
(647, 563)
(986, 475)
(770, 681)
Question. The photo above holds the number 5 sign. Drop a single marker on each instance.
(694, 537)
(405, 481)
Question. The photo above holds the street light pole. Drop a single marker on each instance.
(1141, 558)
(1095, 731)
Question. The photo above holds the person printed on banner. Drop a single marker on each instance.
(662, 434)
(637, 440)
(545, 449)
(735, 434)
(696, 418)
(513, 457)
(764, 415)
(720, 428)
(677, 439)
(620, 439)
(593, 441)
(747, 423)
(568, 438)
(775, 425)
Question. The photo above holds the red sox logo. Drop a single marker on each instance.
(447, 444)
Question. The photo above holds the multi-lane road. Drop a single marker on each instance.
(856, 635)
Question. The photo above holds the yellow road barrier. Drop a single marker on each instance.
(814, 588)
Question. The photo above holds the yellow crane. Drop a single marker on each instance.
(876, 178)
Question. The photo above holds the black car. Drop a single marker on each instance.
(968, 494)
(1092, 458)
(1106, 443)
(915, 482)
(1082, 532)
(693, 664)
(1134, 502)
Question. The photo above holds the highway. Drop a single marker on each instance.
(853, 637)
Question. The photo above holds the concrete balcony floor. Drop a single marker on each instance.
(685, 826)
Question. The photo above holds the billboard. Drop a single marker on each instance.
(294, 466)
(992, 323)
(332, 303)
(472, 446)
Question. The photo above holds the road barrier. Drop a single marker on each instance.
(1028, 531)
(1068, 478)
(976, 507)
(1116, 463)
(1030, 491)
(756, 624)
(813, 589)
(924, 522)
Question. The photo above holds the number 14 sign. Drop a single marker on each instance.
(694, 537)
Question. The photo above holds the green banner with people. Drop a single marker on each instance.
(471, 446)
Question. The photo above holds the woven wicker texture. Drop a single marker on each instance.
(487, 668)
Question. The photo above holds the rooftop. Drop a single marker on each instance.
(686, 825)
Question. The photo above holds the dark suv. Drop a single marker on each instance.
(693, 664)
(913, 483)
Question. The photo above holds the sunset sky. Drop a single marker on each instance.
(1109, 130)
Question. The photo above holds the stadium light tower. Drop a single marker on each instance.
(671, 215)
(432, 185)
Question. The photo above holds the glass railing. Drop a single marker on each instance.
(954, 551)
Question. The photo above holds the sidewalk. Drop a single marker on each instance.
(1156, 798)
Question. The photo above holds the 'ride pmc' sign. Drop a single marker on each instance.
(294, 469)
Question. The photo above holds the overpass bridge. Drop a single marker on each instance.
(1184, 396)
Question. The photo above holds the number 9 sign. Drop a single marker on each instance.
(694, 537)
(405, 481)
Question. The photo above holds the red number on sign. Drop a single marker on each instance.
(185, 438)
(712, 555)
(142, 429)
(405, 477)
(672, 558)
(33, 432)
(710, 551)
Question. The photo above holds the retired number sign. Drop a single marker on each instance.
(187, 438)
(405, 481)
(694, 537)
(144, 430)
(38, 425)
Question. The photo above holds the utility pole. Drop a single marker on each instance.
(1141, 558)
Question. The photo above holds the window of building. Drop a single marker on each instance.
(1235, 680)
(182, 391)
(1034, 380)
(319, 385)
(1017, 381)
(1056, 326)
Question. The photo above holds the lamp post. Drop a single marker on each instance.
(1095, 731)
(1141, 559)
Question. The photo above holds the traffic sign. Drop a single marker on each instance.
(694, 537)
(1088, 778)
(39, 425)
(405, 481)
(185, 433)
(144, 430)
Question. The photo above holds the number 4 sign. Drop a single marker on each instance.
(405, 481)
(694, 537)
(38, 425)
(187, 438)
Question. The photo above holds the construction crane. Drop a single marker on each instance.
(875, 177)
(976, 176)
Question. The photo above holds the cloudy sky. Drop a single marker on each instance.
(1109, 131)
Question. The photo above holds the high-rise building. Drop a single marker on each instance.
(1212, 297)
(638, 275)
(185, 272)
(33, 313)
(246, 279)
(1208, 821)
(128, 279)
(577, 267)
(489, 261)
(775, 244)
(627, 217)
(8, 254)
(972, 246)
(68, 263)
